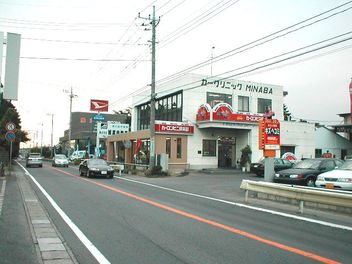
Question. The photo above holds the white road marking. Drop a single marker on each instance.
(324, 223)
(81, 236)
(2, 194)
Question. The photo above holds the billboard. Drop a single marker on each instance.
(12, 66)
(99, 105)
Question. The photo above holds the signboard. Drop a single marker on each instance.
(224, 112)
(98, 117)
(12, 66)
(99, 105)
(289, 156)
(174, 128)
(269, 134)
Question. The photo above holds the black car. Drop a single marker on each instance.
(306, 171)
(95, 167)
(279, 164)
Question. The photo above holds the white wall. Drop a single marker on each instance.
(326, 139)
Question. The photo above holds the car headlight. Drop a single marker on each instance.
(320, 178)
(344, 179)
(277, 175)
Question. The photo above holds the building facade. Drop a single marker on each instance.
(204, 122)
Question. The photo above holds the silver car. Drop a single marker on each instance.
(340, 178)
(34, 159)
(60, 160)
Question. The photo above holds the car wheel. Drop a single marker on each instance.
(41, 166)
(310, 182)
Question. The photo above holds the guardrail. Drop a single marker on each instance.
(302, 195)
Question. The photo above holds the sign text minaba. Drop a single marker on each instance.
(239, 86)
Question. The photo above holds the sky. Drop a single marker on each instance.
(101, 49)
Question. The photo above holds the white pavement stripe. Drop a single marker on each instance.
(81, 236)
(2, 194)
(324, 223)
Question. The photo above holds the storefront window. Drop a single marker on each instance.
(179, 148)
(168, 146)
(209, 148)
(167, 109)
(263, 105)
(215, 98)
(243, 104)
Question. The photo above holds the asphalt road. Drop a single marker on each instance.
(133, 220)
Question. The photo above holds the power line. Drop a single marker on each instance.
(250, 45)
(83, 42)
(259, 67)
(74, 59)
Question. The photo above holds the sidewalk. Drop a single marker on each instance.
(25, 227)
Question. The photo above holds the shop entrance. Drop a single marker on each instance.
(226, 152)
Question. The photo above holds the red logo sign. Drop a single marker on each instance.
(269, 133)
(99, 105)
(170, 128)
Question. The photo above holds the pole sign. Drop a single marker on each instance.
(99, 105)
(269, 134)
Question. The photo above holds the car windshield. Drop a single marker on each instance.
(60, 157)
(97, 162)
(307, 164)
(346, 166)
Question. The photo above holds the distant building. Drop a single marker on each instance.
(84, 130)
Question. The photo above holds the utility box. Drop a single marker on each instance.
(163, 161)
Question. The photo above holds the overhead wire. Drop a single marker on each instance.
(253, 44)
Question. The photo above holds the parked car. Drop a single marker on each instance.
(340, 178)
(60, 160)
(78, 154)
(279, 164)
(34, 159)
(306, 171)
(95, 167)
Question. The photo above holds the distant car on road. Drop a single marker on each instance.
(306, 171)
(60, 160)
(95, 167)
(279, 164)
(340, 178)
(78, 154)
(34, 159)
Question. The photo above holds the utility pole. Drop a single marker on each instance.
(154, 23)
(69, 129)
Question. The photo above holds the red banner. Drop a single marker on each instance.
(174, 128)
(269, 134)
(99, 105)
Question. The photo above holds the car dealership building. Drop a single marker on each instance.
(204, 122)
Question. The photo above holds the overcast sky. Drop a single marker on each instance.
(65, 43)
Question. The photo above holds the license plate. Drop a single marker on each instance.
(103, 172)
(329, 186)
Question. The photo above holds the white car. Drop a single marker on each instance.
(340, 178)
(60, 160)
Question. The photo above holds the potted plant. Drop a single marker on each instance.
(245, 158)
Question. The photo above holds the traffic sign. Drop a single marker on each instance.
(10, 126)
(10, 136)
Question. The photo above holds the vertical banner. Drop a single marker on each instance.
(13, 47)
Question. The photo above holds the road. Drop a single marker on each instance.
(135, 220)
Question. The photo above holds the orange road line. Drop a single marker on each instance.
(213, 223)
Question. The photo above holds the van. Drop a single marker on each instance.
(78, 154)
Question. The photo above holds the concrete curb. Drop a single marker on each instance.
(50, 246)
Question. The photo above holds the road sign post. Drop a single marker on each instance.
(10, 136)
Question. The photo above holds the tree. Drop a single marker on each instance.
(287, 114)
(127, 113)
(8, 113)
